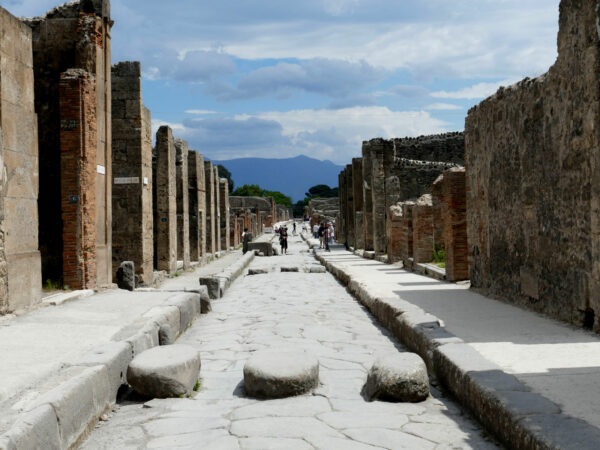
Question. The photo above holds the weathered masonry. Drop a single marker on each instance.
(71, 61)
(165, 202)
(217, 216)
(132, 226)
(197, 206)
(183, 218)
(224, 208)
(211, 237)
(533, 181)
(20, 266)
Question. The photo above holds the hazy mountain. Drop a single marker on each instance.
(291, 176)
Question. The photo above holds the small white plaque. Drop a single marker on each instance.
(101, 169)
(127, 180)
(146, 181)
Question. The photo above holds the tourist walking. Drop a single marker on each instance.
(283, 240)
(316, 231)
(326, 235)
(320, 234)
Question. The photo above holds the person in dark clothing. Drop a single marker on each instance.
(320, 233)
(283, 240)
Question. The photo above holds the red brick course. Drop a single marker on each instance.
(455, 225)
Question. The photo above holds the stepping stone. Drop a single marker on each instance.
(257, 271)
(126, 276)
(400, 377)
(205, 306)
(317, 269)
(290, 269)
(164, 372)
(213, 285)
(270, 374)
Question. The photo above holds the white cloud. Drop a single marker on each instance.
(477, 91)
(200, 112)
(443, 107)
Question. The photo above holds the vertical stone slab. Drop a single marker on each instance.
(218, 211)
(406, 231)
(367, 168)
(224, 207)
(165, 210)
(183, 203)
(423, 230)
(210, 207)
(455, 225)
(350, 230)
(378, 195)
(341, 226)
(132, 234)
(78, 167)
(395, 220)
(437, 197)
(20, 262)
(197, 208)
(357, 194)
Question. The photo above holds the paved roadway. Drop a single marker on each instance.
(312, 312)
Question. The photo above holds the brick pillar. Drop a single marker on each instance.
(423, 230)
(210, 207)
(183, 203)
(406, 231)
(367, 196)
(197, 208)
(132, 233)
(165, 209)
(437, 194)
(224, 207)
(395, 225)
(455, 225)
(357, 211)
(217, 209)
(78, 146)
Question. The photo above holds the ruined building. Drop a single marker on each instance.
(20, 272)
(132, 205)
(197, 206)
(533, 197)
(71, 62)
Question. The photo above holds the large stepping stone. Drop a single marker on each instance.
(163, 372)
(272, 374)
(400, 377)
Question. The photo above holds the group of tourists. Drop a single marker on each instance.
(325, 233)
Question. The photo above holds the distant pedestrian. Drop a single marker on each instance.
(326, 238)
(294, 230)
(316, 231)
(320, 233)
(283, 240)
(246, 238)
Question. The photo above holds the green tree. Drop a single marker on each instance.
(249, 190)
(224, 173)
(280, 199)
(322, 191)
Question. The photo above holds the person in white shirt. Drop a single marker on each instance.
(316, 231)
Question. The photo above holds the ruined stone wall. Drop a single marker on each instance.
(343, 214)
(183, 202)
(357, 199)
(406, 232)
(395, 225)
(20, 266)
(165, 202)
(437, 198)
(132, 170)
(454, 210)
(209, 177)
(217, 209)
(75, 35)
(367, 193)
(533, 200)
(224, 206)
(382, 157)
(197, 208)
(324, 209)
(447, 147)
(423, 229)
(349, 206)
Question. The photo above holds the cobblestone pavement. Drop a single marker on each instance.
(288, 311)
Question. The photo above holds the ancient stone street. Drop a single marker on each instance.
(288, 311)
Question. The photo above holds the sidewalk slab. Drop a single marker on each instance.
(531, 380)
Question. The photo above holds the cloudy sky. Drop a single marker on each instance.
(279, 78)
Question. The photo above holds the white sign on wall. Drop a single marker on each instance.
(127, 180)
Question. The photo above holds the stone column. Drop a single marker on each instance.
(132, 183)
(210, 208)
(20, 261)
(455, 225)
(341, 226)
(197, 208)
(367, 196)
(406, 231)
(165, 209)
(78, 180)
(183, 203)
(357, 211)
(423, 230)
(224, 207)
(437, 196)
(395, 221)
(218, 211)
(350, 230)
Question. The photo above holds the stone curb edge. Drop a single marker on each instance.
(62, 417)
(517, 417)
(218, 284)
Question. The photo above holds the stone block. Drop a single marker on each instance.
(213, 286)
(126, 276)
(166, 335)
(263, 247)
(401, 377)
(37, 429)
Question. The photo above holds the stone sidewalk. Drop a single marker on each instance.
(525, 375)
(298, 311)
(38, 347)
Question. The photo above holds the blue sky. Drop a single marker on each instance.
(279, 78)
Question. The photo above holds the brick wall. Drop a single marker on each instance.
(406, 233)
(423, 229)
(183, 202)
(396, 234)
(78, 168)
(437, 197)
(455, 225)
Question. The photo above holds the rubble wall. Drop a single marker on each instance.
(533, 183)
(20, 262)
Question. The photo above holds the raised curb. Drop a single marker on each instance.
(62, 417)
(59, 299)
(229, 275)
(521, 419)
